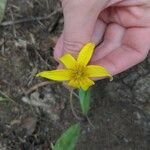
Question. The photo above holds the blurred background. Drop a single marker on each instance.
(34, 112)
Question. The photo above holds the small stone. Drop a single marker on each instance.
(29, 124)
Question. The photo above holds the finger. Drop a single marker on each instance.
(79, 23)
(112, 40)
(98, 32)
(134, 48)
(96, 38)
(127, 13)
(58, 50)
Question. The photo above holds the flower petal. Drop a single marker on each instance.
(86, 54)
(68, 61)
(86, 83)
(98, 71)
(58, 75)
(74, 84)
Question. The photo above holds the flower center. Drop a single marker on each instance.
(78, 72)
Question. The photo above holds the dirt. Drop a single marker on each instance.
(34, 112)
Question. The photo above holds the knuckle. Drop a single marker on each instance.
(72, 46)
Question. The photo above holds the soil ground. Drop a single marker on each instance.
(34, 112)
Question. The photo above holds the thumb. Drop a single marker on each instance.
(80, 17)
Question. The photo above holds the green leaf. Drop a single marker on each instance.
(2, 8)
(85, 100)
(68, 139)
(2, 99)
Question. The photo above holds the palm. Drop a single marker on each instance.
(127, 36)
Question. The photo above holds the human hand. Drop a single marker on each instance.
(119, 28)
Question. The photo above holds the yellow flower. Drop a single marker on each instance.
(77, 73)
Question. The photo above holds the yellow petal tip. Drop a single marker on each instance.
(68, 60)
(37, 75)
(85, 53)
(92, 44)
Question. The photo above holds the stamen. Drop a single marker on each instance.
(79, 72)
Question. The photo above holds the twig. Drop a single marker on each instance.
(89, 121)
(47, 4)
(35, 87)
(8, 23)
(13, 25)
(39, 55)
(36, 48)
(72, 108)
(3, 94)
(75, 94)
(73, 111)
